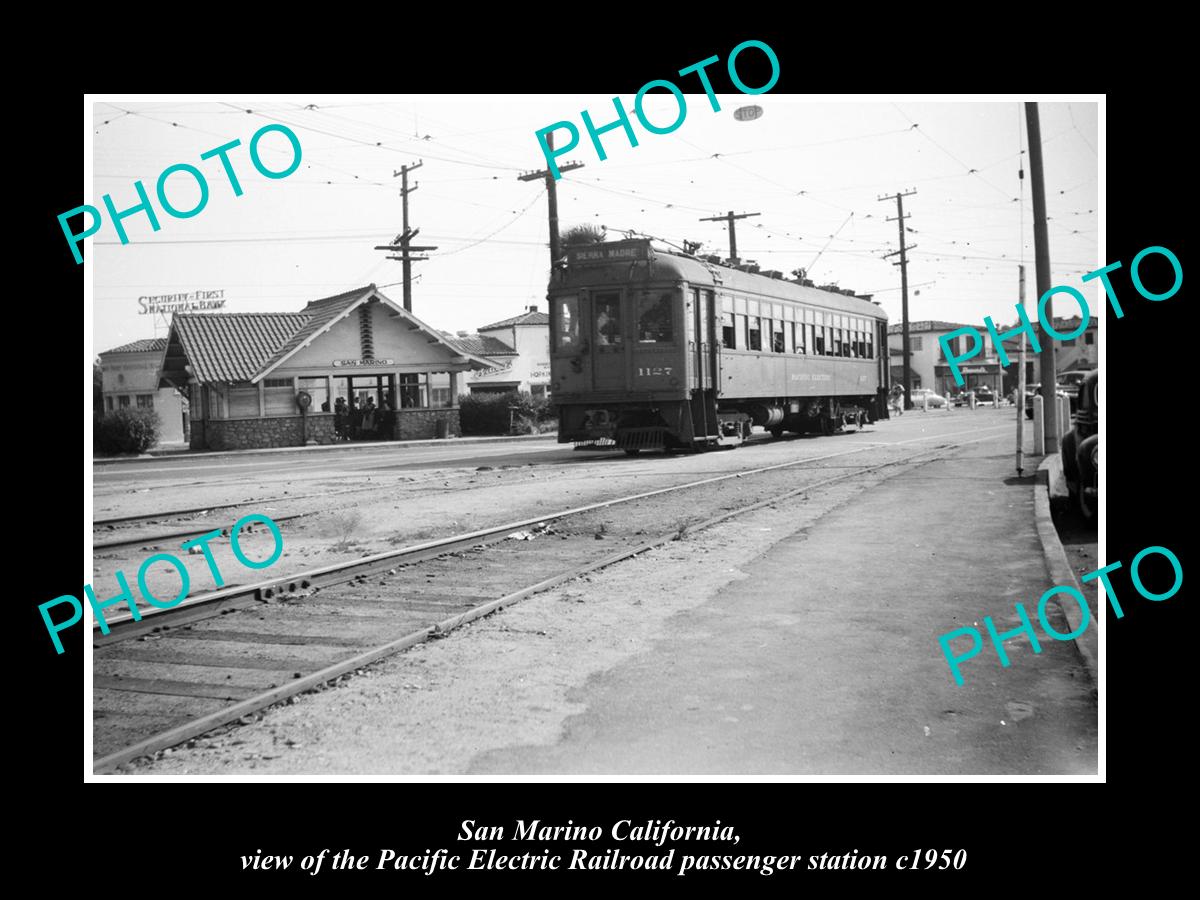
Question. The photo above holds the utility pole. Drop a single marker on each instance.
(402, 243)
(730, 218)
(1041, 255)
(551, 198)
(1021, 380)
(903, 251)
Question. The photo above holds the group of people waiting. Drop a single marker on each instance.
(361, 423)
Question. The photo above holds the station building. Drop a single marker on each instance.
(249, 374)
(520, 350)
(129, 378)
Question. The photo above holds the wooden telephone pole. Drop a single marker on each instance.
(402, 243)
(1041, 258)
(729, 217)
(903, 252)
(551, 198)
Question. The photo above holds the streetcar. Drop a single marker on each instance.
(654, 349)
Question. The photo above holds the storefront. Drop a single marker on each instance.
(351, 367)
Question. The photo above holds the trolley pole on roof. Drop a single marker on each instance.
(551, 198)
(402, 244)
(903, 251)
(729, 217)
(1041, 255)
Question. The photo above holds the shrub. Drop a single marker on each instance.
(126, 430)
(482, 414)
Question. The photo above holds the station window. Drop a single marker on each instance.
(1089, 337)
(277, 383)
(777, 344)
(1068, 342)
(728, 331)
(754, 333)
(914, 343)
(123, 400)
(318, 389)
(145, 401)
(654, 317)
(108, 403)
(412, 390)
(608, 320)
(567, 335)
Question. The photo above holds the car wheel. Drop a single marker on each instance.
(777, 431)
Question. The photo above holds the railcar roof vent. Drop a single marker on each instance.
(773, 273)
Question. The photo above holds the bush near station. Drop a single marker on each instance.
(484, 414)
(126, 430)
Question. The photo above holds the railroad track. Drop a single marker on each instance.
(219, 657)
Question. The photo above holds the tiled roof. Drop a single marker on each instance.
(233, 346)
(147, 345)
(525, 318)
(318, 313)
(483, 345)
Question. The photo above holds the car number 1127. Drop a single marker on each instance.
(656, 370)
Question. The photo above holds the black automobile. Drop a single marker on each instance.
(1032, 390)
(1081, 449)
(1070, 383)
(983, 394)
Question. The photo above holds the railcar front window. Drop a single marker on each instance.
(654, 317)
(608, 320)
(567, 336)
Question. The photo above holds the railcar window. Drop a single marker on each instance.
(777, 336)
(819, 340)
(608, 320)
(798, 337)
(728, 332)
(654, 317)
(837, 342)
(754, 341)
(567, 336)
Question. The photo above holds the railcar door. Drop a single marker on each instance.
(704, 352)
(610, 343)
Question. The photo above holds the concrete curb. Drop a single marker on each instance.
(1061, 573)
(364, 445)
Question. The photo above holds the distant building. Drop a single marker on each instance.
(129, 378)
(1074, 354)
(928, 364)
(520, 350)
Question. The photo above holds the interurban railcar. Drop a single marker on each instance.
(655, 349)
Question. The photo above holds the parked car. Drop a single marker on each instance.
(1031, 391)
(1080, 449)
(936, 401)
(1070, 383)
(984, 394)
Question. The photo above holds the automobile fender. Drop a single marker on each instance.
(1083, 457)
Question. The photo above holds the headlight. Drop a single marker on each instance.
(1096, 458)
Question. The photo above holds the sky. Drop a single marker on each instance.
(813, 170)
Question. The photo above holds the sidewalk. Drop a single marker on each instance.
(185, 453)
(827, 655)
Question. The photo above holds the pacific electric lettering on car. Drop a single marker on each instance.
(545, 135)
